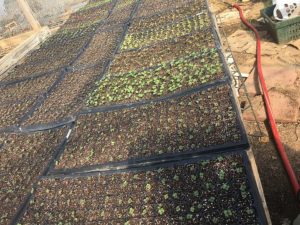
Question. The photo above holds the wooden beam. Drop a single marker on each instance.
(21, 50)
(29, 14)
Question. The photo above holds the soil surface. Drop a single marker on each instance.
(278, 192)
(181, 194)
(172, 126)
(277, 188)
(23, 159)
(178, 108)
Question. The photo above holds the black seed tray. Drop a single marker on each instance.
(101, 47)
(161, 52)
(12, 114)
(193, 70)
(28, 89)
(24, 159)
(65, 98)
(199, 22)
(211, 189)
(149, 8)
(198, 122)
(82, 19)
(23, 72)
(64, 36)
(28, 78)
(121, 14)
(167, 17)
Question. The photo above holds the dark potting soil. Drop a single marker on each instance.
(23, 159)
(100, 48)
(11, 114)
(213, 191)
(173, 15)
(67, 98)
(27, 89)
(188, 123)
(195, 69)
(161, 52)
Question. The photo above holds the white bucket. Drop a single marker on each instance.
(286, 9)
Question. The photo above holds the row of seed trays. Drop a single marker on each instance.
(62, 48)
(162, 60)
(156, 138)
(53, 55)
(27, 83)
(24, 157)
(172, 55)
(186, 124)
(69, 95)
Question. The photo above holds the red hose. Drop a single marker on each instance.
(274, 129)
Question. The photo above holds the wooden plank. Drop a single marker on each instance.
(258, 184)
(34, 23)
(21, 50)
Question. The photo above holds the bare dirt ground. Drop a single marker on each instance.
(281, 65)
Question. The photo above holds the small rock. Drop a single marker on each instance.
(264, 139)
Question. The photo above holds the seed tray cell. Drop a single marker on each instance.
(12, 113)
(169, 16)
(161, 52)
(67, 97)
(23, 159)
(169, 31)
(101, 47)
(185, 124)
(208, 190)
(148, 8)
(197, 68)
(27, 89)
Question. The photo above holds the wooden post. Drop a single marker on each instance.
(29, 14)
